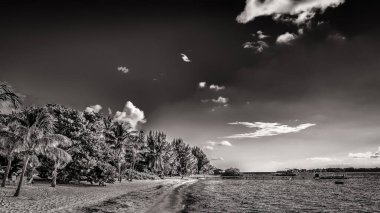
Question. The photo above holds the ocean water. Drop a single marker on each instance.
(359, 193)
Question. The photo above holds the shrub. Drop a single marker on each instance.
(231, 172)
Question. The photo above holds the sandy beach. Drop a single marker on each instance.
(136, 196)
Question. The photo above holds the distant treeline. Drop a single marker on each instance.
(349, 169)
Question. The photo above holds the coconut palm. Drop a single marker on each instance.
(33, 164)
(60, 158)
(37, 127)
(136, 148)
(156, 145)
(6, 94)
(119, 135)
(10, 143)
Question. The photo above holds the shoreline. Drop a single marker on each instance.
(136, 196)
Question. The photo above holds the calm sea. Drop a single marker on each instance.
(359, 193)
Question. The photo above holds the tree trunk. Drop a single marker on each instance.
(54, 179)
(131, 169)
(22, 176)
(7, 171)
(31, 175)
(119, 168)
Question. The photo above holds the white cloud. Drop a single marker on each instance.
(130, 114)
(202, 84)
(185, 58)
(322, 159)
(208, 147)
(286, 38)
(218, 158)
(205, 101)
(302, 10)
(300, 31)
(258, 46)
(261, 35)
(336, 37)
(220, 100)
(123, 69)
(365, 154)
(216, 87)
(221, 143)
(268, 129)
(225, 143)
(95, 108)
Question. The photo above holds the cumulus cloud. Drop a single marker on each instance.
(185, 58)
(123, 69)
(268, 129)
(258, 46)
(220, 100)
(286, 38)
(95, 108)
(300, 11)
(216, 87)
(131, 115)
(217, 158)
(365, 154)
(202, 84)
(261, 35)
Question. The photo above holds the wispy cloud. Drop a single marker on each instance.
(336, 37)
(286, 38)
(220, 100)
(300, 10)
(208, 147)
(322, 159)
(185, 58)
(365, 154)
(267, 129)
(93, 109)
(217, 158)
(221, 143)
(124, 70)
(216, 87)
(130, 114)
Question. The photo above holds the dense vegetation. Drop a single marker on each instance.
(64, 145)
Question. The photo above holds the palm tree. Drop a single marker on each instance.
(137, 148)
(6, 94)
(10, 143)
(119, 135)
(33, 163)
(37, 126)
(60, 158)
(156, 145)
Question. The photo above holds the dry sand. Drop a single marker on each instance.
(136, 196)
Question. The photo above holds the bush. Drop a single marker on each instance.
(231, 172)
(142, 176)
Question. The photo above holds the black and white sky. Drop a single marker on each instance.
(259, 84)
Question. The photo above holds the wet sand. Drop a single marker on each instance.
(137, 196)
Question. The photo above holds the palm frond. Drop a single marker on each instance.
(6, 94)
(53, 140)
(57, 155)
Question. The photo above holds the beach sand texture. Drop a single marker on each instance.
(136, 196)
